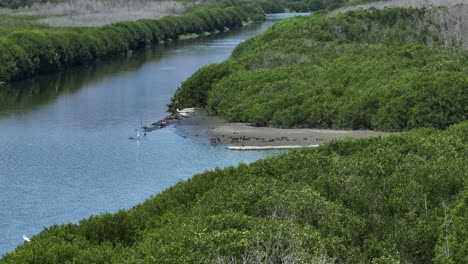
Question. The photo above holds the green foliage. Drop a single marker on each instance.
(116, 43)
(15, 60)
(193, 23)
(172, 25)
(137, 34)
(271, 7)
(156, 29)
(452, 246)
(50, 50)
(397, 199)
(114, 228)
(194, 90)
(357, 70)
(356, 91)
(39, 49)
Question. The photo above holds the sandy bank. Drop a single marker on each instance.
(218, 132)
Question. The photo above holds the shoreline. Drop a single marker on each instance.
(246, 137)
(240, 148)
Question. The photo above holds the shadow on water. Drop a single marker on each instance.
(27, 95)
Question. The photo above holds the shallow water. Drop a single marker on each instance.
(64, 147)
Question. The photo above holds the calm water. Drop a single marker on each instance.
(64, 148)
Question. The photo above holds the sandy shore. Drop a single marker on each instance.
(218, 132)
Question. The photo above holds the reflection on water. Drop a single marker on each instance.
(26, 95)
(64, 148)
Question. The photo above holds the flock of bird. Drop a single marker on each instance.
(214, 141)
(242, 139)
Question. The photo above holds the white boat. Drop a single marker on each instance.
(269, 147)
(186, 111)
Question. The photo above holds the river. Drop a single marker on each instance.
(64, 147)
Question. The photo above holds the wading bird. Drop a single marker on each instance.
(25, 238)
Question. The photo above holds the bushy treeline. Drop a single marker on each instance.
(31, 51)
(383, 70)
(373, 87)
(395, 199)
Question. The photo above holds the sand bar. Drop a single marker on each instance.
(269, 147)
(244, 135)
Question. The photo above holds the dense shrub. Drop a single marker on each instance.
(50, 50)
(452, 245)
(195, 89)
(173, 26)
(157, 34)
(236, 16)
(15, 61)
(193, 23)
(208, 21)
(359, 70)
(271, 7)
(39, 50)
(399, 198)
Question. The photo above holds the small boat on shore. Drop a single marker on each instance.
(186, 111)
(269, 147)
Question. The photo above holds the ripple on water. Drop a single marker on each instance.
(66, 155)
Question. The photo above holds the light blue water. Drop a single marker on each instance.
(64, 148)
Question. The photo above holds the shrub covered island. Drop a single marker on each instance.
(385, 70)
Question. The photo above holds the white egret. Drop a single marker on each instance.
(25, 238)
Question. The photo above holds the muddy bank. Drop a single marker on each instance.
(218, 132)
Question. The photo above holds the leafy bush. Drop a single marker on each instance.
(194, 90)
(39, 49)
(15, 61)
(399, 198)
(339, 72)
(50, 50)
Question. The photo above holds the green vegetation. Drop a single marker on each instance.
(29, 51)
(397, 199)
(351, 201)
(358, 70)
(24, 34)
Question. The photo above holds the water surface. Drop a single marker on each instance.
(64, 147)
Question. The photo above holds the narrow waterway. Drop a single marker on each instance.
(64, 147)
